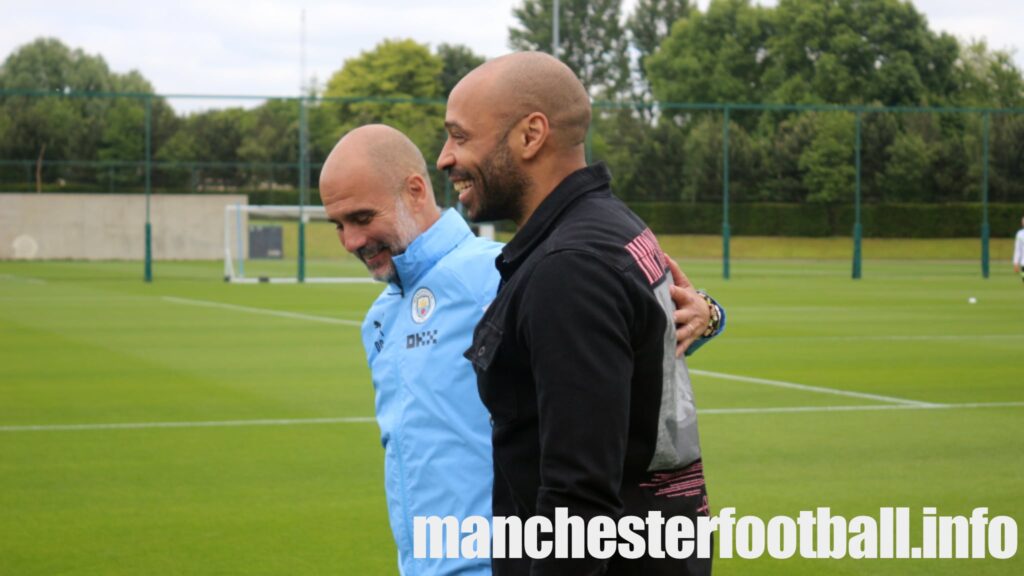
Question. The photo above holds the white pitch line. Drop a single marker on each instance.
(24, 279)
(264, 311)
(873, 407)
(778, 383)
(367, 419)
(806, 388)
(213, 424)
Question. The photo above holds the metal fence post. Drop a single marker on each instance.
(984, 197)
(725, 195)
(857, 229)
(303, 184)
(149, 186)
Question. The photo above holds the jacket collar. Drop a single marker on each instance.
(580, 182)
(429, 247)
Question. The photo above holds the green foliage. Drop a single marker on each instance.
(74, 128)
(459, 60)
(703, 161)
(591, 40)
(394, 69)
(715, 56)
(651, 22)
(854, 51)
(828, 162)
(648, 26)
(816, 219)
(906, 177)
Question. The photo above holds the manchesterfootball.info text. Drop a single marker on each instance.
(811, 534)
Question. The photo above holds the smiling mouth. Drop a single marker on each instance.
(462, 188)
(369, 255)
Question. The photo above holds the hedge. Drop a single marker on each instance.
(819, 220)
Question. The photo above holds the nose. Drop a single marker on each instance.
(446, 160)
(352, 238)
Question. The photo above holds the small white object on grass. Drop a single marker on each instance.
(972, 300)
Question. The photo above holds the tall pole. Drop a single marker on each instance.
(303, 151)
(857, 231)
(984, 198)
(725, 195)
(554, 29)
(148, 273)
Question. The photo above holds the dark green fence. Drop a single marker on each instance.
(750, 169)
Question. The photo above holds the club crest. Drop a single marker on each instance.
(423, 304)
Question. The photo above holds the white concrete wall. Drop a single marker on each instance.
(112, 226)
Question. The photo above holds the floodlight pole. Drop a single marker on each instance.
(984, 198)
(725, 194)
(857, 230)
(554, 29)
(148, 274)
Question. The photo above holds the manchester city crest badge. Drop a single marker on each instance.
(423, 304)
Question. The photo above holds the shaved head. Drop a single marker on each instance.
(382, 149)
(517, 126)
(376, 190)
(525, 82)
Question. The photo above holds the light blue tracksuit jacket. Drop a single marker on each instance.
(435, 430)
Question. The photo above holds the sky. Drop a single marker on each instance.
(253, 48)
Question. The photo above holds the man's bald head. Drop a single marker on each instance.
(525, 82)
(382, 149)
(375, 188)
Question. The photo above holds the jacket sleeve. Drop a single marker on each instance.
(576, 319)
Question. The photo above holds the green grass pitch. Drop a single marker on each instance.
(262, 476)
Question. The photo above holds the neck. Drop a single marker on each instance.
(429, 217)
(546, 176)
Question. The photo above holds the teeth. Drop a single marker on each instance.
(461, 185)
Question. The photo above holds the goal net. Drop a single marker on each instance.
(285, 244)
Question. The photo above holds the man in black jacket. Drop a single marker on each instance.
(592, 411)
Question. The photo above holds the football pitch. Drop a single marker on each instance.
(190, 426)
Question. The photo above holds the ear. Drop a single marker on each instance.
(417, 189)
(535, 132)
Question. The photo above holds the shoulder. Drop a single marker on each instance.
(469, 267)
(606, 228)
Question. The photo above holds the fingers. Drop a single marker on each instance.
(691, 315)
(681, 297)
(685, 336)
(678, 277)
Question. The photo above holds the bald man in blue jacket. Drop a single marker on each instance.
(439, 279)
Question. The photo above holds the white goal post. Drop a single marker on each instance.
(239, 219)
(255, 246)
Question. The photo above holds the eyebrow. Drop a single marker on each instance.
(359, 213)
(451, 125)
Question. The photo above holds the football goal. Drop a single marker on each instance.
(285, 244)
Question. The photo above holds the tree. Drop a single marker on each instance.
(100, 127)
(906, 176)
(401, 69)
(987, 78)
(713, 57)
(459, 60)
(857, 51)
(68, 127)
(591, 40)
(270, 133)
(827, 163)
(649, 25)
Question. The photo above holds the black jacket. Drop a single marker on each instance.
(575, 362)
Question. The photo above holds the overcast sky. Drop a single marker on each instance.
(221, 47)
